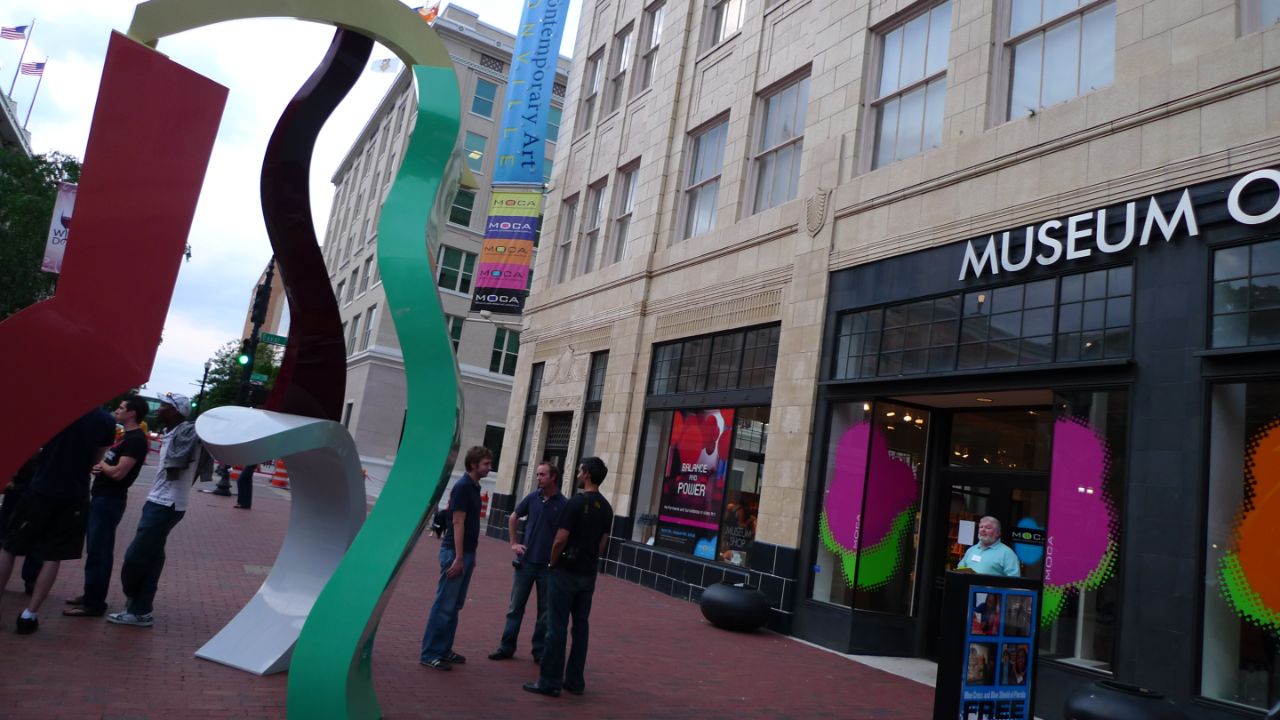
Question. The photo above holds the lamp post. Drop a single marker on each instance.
(203, 378)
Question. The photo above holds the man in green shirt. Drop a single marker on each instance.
(990, 556)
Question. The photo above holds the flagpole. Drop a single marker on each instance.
(37, 93)
(30, 29)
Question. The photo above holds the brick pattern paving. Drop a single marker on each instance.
(651, 655)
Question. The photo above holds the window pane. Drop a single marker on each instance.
(910, 124)
(935, 102)
(1057, 8)
(1264, 327)
(475, 152)
(890, 63)
(887, 132)
(1230, 330)
(1231, 263)
(1264, 292)
(1266, 256)
(1231, 296)
(1098, 54)
(1024, 15)
(939, 38)
(1024, 95)
(914, 39)
(1061, 63)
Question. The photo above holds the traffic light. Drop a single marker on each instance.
(243, 357)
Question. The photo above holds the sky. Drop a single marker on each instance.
(262, 63)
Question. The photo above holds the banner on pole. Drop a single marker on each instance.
(502, 280)
(522, 140)
(59, 228)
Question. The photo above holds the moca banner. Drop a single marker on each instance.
(523, 138)
(502, 280)
(59, 228)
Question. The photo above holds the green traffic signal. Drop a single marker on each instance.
(243, 359)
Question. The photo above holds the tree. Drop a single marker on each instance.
(223, 384)
(28, 188)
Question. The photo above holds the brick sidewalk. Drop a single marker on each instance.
(651, 655)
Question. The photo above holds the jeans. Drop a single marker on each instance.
(100, 549)
(244, 486)
(144, 560)
(442, 624)
(569, 596)
(529, 575)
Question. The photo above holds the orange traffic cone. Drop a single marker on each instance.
(280, 478)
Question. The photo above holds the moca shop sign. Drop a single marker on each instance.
(1079, 236)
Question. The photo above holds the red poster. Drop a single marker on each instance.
(694, 481)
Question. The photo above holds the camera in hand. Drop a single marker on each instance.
(517, 563)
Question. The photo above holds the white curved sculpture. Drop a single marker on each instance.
(328, 509)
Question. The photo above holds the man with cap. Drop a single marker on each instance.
(165, 507)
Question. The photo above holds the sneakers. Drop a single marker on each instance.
(437, 664)
(501, 654)
(26, 626)
(128, 618)
(454, 658)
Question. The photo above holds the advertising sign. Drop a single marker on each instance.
(59, 228)
(502, 280)
(1000, 650)
(694, 482)
(523, 139)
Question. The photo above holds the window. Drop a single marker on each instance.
(367, 275)
(592, 404)
(564, 244)
(454, 325)
(493, 437)
(475, 152)
(622, 51)
(723, 18)
(624, 206)
(1246, 295)
(651, 40)
(486, 94)
(1257, 15)
(781, 142)
(1058, 52)
(546, 178)
(456, 269)
(1239, 662)
(351, 336)
(346, 414)
(370, 316)
(912, 86)
(591, 80)
(591, 223)
(739, 359)
(530, 416)
(707, 160)
(553, 125)
(464, 201)
(342, 288)
(506, 347)
(1085, 316)
(351, 286)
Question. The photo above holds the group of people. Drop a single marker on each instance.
(558, 559)
(69, 499)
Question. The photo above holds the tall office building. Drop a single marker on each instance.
(829, 282)
(487, 348)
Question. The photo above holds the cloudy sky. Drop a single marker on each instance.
(263, 63)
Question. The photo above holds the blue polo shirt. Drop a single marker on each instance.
(540, 527)
(465, 497)
(996, 559)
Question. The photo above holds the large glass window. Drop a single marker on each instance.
(652, 40)
(624, 205)
(475, 152)
(506, 348)
(456, 268)
(1246, 295)
(621, 63)
(1001, 440)
(592, 405)
(869, 522)
(1060, 49)
(740, 359)
(913, 85)
(486, 95)
(707, 153)
(1085, 316)
(1241, 605)
(742, 488)
(1082, 593)
(781, 144)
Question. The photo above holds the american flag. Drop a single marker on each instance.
(14, 33)
(32, 68)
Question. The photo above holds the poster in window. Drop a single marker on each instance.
(693, 485)
(739, 528)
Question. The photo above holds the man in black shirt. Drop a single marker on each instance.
(50, 522)
(575, 556)
(457, 561)
(111, 480)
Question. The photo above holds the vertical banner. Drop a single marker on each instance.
(1000, 649)
(502, 280)
(522, 140)
(59, 228)
(693, 485)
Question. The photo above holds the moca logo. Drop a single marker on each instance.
(508, 249)
(507, 226)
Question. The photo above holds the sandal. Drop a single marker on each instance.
(82, 611)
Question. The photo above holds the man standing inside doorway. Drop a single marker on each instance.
(457, 561)
(111, 480)
(990, 556)
(580, 541)
(542, 508)
(165, 507)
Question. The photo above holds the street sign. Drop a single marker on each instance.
(258, 378)
(273, 339)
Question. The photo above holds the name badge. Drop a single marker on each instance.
(976, 558)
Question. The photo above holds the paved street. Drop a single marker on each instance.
(651, 656)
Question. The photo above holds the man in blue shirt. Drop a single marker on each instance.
(990, 556)
(457, 561)
(542, 508)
